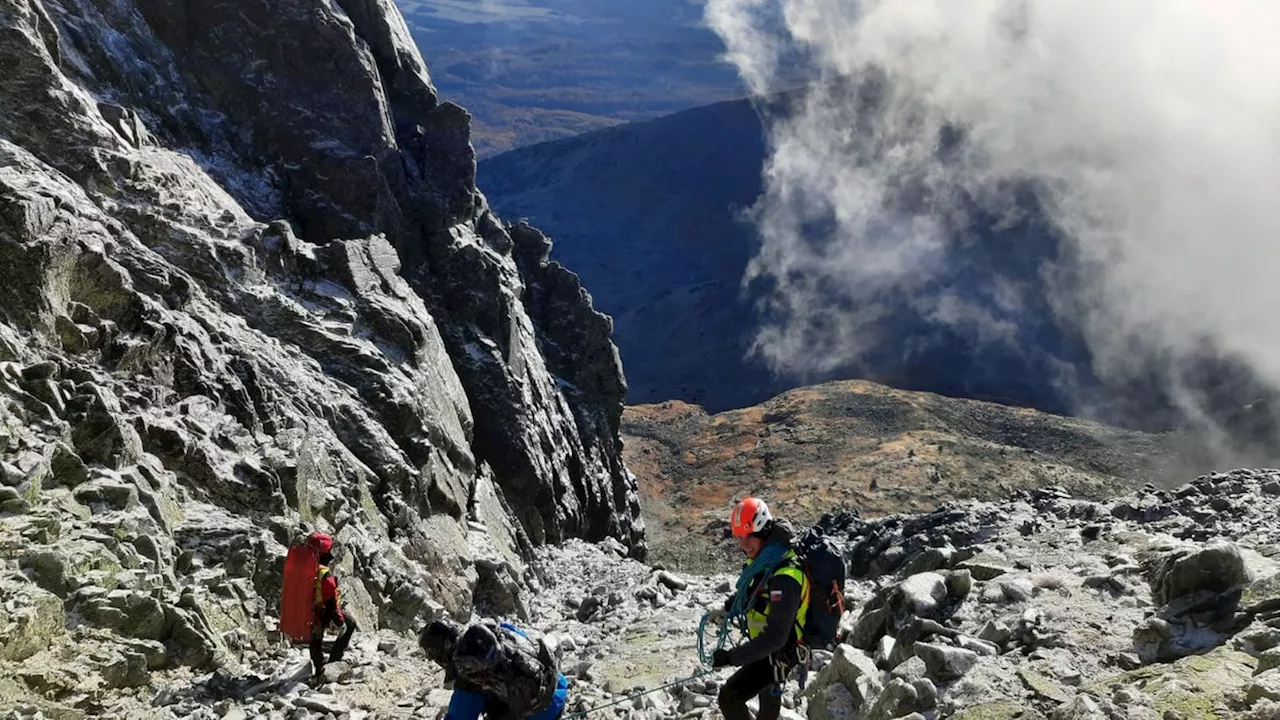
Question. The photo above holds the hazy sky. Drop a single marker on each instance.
(1152, 128)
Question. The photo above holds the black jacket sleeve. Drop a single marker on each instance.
(784, 595)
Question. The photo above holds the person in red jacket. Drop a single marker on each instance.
(328, 608)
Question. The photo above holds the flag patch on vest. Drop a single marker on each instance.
(775, 596)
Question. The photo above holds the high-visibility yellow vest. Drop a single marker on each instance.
(758, 613)
(321, 573)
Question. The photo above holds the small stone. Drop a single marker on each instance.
(1082, 707)
(1124, 696)
(884, 650)
(1072, 678)
(959, 583)
(1042, 686)
(672, 581)
(323, 703)
(1017, 589)
(995, 632)
(980, 647)
(588, 608)
(982, 570)
(926, 693)
(1127, 661)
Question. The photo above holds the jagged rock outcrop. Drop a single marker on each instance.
(249, 288)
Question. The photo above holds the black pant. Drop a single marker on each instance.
(758, 678)
(339, 645)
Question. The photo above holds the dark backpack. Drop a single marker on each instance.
(823, 564)
(505, 664)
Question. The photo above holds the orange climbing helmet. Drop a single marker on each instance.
(751, 515)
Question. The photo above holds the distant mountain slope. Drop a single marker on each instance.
(649, 214)
(867, 447)
(646, 213)
(536, 70)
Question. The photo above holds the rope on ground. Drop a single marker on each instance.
(632, 696)
(726, 627)
(733, 619)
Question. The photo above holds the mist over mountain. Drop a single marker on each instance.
(1124, 184)
(914, 270)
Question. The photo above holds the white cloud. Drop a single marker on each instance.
(1150, 128)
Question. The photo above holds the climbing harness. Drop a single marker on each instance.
(735, 619)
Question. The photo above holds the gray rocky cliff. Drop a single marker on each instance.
(248, 287)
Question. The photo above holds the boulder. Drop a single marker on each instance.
(31, 619)
(1265, 686)
(1214, 568)
(1269, 660)
(1261, 596)
(923, 595)
(944, 662)
(852, 669)
(898, 698)
(869, 628)
(834, 702)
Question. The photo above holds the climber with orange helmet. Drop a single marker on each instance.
(328, 608)
(775, 614)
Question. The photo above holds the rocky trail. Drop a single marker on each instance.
(1159, 604)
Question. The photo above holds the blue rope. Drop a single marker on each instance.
(763, 564)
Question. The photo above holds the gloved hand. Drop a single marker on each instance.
(719, 658)
(715, 616)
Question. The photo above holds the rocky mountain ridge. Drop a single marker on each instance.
(879, 450)
(249, 289)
